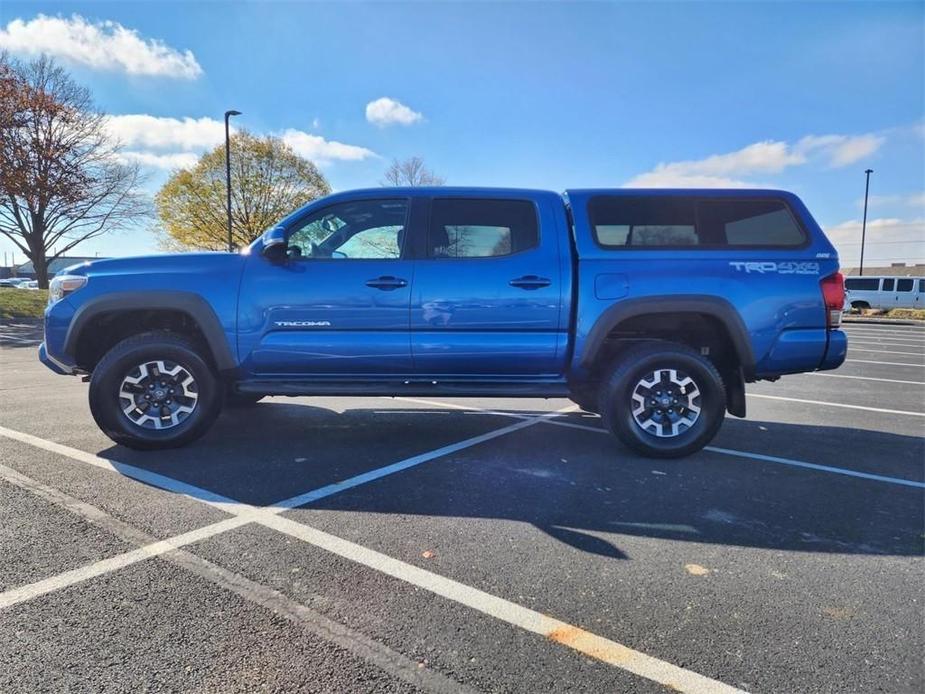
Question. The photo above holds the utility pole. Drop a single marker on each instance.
(864, 223)
(229, 114)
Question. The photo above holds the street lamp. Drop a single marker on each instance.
(228, 114)
(864, 223)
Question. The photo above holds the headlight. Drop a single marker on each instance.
(62, 285)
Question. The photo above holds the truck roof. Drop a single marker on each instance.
(695, 192)
(447, 190)
(578, 192)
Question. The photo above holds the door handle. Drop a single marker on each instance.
(387, 283)
(530, 282)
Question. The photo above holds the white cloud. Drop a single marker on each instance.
(319, 150)
(717, 171)
(669, 178)
(167, 143)
(386, 111)
(154, 160)
(841, 150)
(888, 240)
(189, 134)
(103, 45)
(907, 200)
(766, 157)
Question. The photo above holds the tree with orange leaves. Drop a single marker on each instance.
(61, 178)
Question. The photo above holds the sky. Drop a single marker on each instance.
(800, 96)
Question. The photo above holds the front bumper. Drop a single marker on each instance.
(58, 318)
(59, 367)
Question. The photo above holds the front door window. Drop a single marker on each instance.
(362, 230)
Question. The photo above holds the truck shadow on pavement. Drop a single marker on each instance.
(579, 487)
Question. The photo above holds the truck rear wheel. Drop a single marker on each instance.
(663, 400)
(154, 391)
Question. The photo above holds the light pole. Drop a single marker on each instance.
(864, 223)
(228, 114)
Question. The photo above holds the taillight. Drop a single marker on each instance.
(833, 294)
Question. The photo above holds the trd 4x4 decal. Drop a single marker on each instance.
(785, 268)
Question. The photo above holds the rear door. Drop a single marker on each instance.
(887, 298)
(488, 295)
(905, 293)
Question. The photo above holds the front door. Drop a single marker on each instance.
(488, 289)
(337, 304)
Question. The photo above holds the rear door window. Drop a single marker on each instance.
(686, 222)
(470, 228)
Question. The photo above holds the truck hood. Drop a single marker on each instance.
(158, 264)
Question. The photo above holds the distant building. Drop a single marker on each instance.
(894, 270)
(54, 267)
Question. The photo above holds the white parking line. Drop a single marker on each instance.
(898, 330)
(106, 566)
(815, 466)
(877, 343)
(379, 473)
(884, 351)
(592, 645)
(580, 640)
(136, 473)
(890, 336)
(837, 404)
(885, 363)
(726, 451)
(913, 341)
(370, 650)
(865, 378)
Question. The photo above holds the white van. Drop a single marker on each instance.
(886, 292)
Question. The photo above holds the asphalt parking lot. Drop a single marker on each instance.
(390, 545)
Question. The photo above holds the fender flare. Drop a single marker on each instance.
(186, 302)
(714, 306)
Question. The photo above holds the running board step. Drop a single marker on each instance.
(457, 389)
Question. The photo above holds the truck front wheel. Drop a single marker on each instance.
(663, 400)
(154, 391)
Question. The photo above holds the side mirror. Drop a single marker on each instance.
(328, 224)
(274, 236)
(274, 241)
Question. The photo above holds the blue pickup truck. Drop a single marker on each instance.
(652, 308)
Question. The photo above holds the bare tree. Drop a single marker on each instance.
(411, 172)
(61, 180)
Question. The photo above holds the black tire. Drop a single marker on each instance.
(860, 305)
(123, 361)
(241, 400)
(657, 358)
